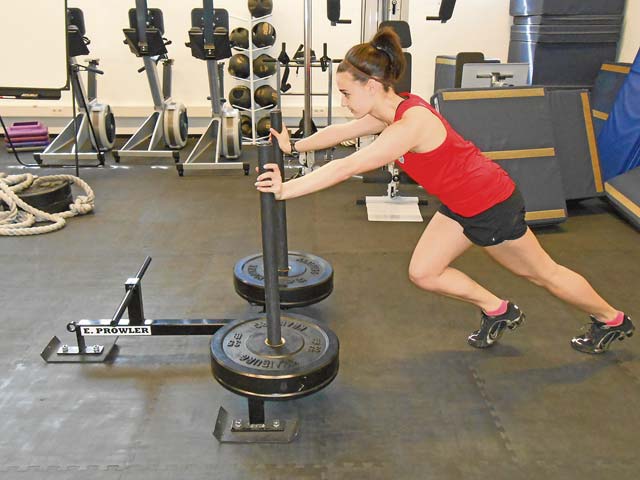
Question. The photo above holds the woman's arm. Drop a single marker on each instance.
(393, 142)
(331, 135)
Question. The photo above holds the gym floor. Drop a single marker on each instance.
(412, 399)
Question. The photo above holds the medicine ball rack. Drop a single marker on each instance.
(266, 356)
(252, 52)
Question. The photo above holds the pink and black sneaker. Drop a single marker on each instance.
(492, 327)
(599, 336)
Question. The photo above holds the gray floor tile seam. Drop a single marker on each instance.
(203, 467)
(559, 371)
(493, 412)
(633, 376)
(543, 465)
(137, 439)
(594, 467)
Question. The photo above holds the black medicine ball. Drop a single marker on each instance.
(263, 126)
(266, 96)
(260, 8)
(245, 126)
(239, 37)
(264, 65)
(240, 96)
(264, 35)
(239, 66)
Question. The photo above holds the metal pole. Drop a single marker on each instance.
(214, 84)
(221, 79)
(208, 31)
(383, 11)
(133, 288)
(256, 411)
(370, 19)
(281, 208)
(279, 80)
(269, 253)
(166, 78)
(154, 81)
(92, 84)
(330, 94)
(307, 67)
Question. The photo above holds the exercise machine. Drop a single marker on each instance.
(264, 357)
(92, 132)
(165, 131)
(325, 63)
(393, 14)
(495, 75)
(209, 41)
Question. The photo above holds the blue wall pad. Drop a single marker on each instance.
(608, 83)
(598, 124)
(624, 193)
(576, 147)
(619, 140)
(513, 127)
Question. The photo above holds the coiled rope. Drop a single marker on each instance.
(21, 217)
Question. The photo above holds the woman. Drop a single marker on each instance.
(480, 203)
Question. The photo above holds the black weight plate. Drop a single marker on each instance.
(243, 363)
(310, 279)
(54, 197)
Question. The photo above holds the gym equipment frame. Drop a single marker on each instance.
(91, 132)
(168, 125)
(209, 41)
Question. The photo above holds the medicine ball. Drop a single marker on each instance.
(245, 126)
(264, 35)
(240, 96)
(264, 65)
(266, 96)
(263, 126)
(239, 38)
(260, 8)
(239, 66)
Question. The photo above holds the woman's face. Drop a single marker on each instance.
(356, 96)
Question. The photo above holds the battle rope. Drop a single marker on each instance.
(20, 216)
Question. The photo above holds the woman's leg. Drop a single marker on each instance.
(441, 243)
(525, 257)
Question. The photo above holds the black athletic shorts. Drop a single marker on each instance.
(503, 221)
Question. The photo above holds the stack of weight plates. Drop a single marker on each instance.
(565, 41)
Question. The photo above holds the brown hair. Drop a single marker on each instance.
(381, 59)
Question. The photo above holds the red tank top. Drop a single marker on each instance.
(456, 172)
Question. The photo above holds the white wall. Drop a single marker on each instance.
(477, 25)
(481, 25)
(631, 33)
(127, 91)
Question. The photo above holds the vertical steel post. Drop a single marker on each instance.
(281, 208)
(307, 66)
(269, 253)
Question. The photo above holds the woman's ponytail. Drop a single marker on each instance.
(381, 59)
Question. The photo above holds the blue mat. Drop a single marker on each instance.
(619, 140)
(605, 91)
